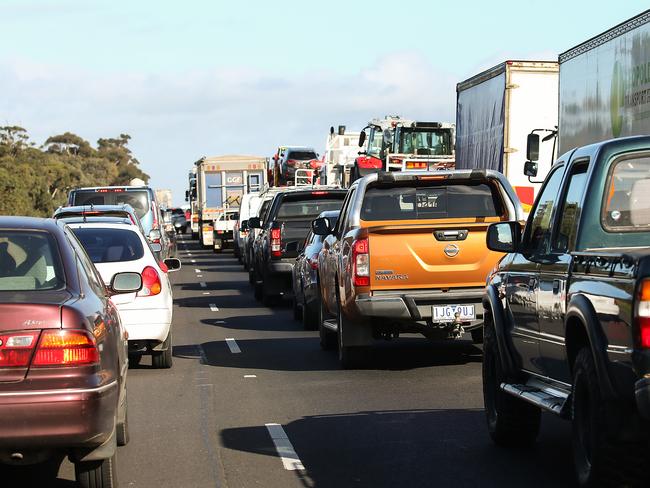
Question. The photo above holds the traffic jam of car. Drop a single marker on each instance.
(536, 259)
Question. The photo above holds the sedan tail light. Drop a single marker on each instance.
(66, 348)
(643, 314)
(16, 348)
(361, 262)
(151, 284)
(276, 242)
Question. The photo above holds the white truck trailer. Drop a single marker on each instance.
(605, 86)
(341, 149)
(497, 109)
(221, 182)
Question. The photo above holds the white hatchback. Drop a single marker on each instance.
(119, 246)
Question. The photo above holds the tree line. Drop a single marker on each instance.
(36, 180)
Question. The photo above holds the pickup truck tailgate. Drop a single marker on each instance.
(412, 256)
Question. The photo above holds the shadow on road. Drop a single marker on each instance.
(304, 354)
(413, 448)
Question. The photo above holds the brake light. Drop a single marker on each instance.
(397, 161)
(291, 162)
(320, 193)
(643, 313)
(66, 348)
(151, 284)
(313, 261)
(361, 262)
(16, 348)
(276, 242)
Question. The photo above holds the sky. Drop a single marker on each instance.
(202, 78)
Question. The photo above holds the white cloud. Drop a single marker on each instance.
(178, 117)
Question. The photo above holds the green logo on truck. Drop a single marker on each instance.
(617, 100)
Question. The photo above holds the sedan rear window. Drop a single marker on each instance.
(110, 245)
(138, 199)
(446, 201)
(29, 261)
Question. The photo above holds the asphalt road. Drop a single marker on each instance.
(412, 418)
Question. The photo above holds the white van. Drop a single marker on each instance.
(249, 205)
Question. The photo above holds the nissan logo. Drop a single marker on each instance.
(452, 250)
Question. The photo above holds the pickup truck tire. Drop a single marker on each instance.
(511, 422)
(267, 298)
(297, 311)
(350, 357)
(327, 337)
(477, 335)
(257, 290)
(96, 474)
(310, 316)
(599, 459)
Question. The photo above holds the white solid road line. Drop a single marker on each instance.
(285, 449)
(213, 308)
(203, 284)
(232, 345)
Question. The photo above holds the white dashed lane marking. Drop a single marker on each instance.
(213, 308)
(232, 345)
(285, 449)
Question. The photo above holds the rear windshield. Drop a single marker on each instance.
(110, 245)
(302, 155)
(308, 209)
(626, 206)
(138, 199)
(29, 261)
(431, 202)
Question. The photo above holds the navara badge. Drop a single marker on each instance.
(452, 250)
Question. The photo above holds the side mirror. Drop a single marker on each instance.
(156, 246)
(254, 223)
(362, 138)
(127, 282)
(504, 236)
(321, 226)
(532, 147)
(172, 264)
(530, 169)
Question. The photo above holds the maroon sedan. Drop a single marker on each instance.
(63, 352)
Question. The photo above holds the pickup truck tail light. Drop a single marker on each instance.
(361, 262)
(643, 313)
(151, 284)
(276, 242)
(16, 348)
(66, 348)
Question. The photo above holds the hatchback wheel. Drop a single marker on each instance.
(96, 474)
(163, 359)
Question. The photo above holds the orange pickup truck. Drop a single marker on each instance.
(408, 254)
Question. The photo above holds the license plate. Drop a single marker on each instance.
(449, 313)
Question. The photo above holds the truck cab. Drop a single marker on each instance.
(566, 323)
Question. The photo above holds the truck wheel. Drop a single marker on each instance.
(350, 357)
(297, 311)
(477, 335)
(511, 422)
(251, 275)
(96, 474)
(327, 337)
(257, 290)
(163, 359)
(599, 459)
(310, 316)
(268, 299)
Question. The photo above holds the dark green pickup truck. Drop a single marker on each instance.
(567, 323)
